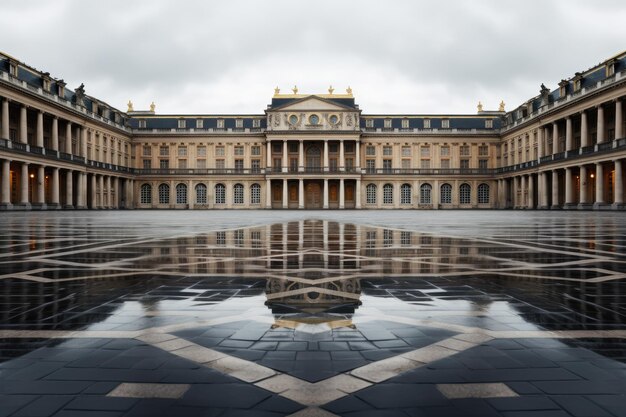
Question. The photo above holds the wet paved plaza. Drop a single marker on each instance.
(356, 313)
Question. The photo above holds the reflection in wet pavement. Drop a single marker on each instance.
(313, 313)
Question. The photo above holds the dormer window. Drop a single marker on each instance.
(369, 123)
(609, 67)
(46, 82)
(426, 123)
(199, 124)
(387, 124)
(61, 88)
(405, 123)
(220, 123)
(445, 123)
(489, 124)
(13, 68)
(239, 123)
(256, 123)
(142, 124)
(578, 81)
(182, 123)
(563, 88)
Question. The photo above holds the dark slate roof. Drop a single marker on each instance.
(209, 122)
(417, 122)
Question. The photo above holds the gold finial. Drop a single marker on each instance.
(330, 89)
(295, 89)
(501, 106)
(152, 107)
(276, 91)
(130, 106)
(349, 90)
(480, 106)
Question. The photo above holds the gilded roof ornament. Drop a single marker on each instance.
(349, 90)
(501, 106)
(330, 89)
(295, 89)
(130, 106)
(276, 91)
(480, 106)
(152, 107)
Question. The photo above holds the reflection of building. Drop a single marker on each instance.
(560, 149)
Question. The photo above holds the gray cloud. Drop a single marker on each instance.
(399, 56)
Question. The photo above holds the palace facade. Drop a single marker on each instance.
(63, 149)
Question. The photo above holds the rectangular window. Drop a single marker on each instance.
(489, 124)
(201, 150)
(164, 151)
(445, 164)
(239, 165)
(387, 123)
(348, 147)
(220, 123)
(406, 151)
(239, 123)
(238, 150)
(199, 124)
(406, 164)
(387, 150)
(425, 163)
(256, 123)
(369, 123)
(425, 151)
(387, 165)
(182, 151)
(405, 123)
(370, 165)
(426, 123)
(483, 163)
(142, 124)
(182, 123)
(182, 163)
(293, 165)
(333, 148)
(465, 164)
(465, 150)
(147, 164)
(277, 163)
(277, 147)
(147, 150)
(220, 151)
(332, 162)
(349, 163)
(483, 150)
(370, 150)
(445, 124)
(445, 151)
(293, 147)
(255, 165)
(201, 163)
(164, 163)
(255, 150)
(219, 164)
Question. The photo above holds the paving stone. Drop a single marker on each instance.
(401, 396)
(527, 402)
(12, 403)
(95, 403)
(224, 396)
(579, 406)
(43, 406)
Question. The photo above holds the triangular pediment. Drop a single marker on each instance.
(312, 103)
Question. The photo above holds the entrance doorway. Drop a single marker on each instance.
(313, 195)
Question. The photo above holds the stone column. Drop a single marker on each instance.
(55, 188)
(24, 180)
(285, 161)
(325, 192)
(268, 156)
(101, 192)
(555, 137)
(523, 192)
(301, 156)
(55, 133)
(41, 186)
(285, 194)
(325, 157)
(583, 187)
(540, 146)
(342, 197)
(515, 197)
(268, 193)
(357, 193)
(83, 142)
(531, 192)
(599, 185)
(116, 187)
(342, 159)
(94, 201)
(619, 185)
(358, 156)
(69, 195)
(23, 124)
(555, 190)
(39, 132)
(569, 195)
(5, 118)
(68, 137)
(109, 202)
(301, 193)
(545, 189)
(568, 133)
(600, 131)
(619, 121)
(584, 129)
(80, 190)
(6, 183)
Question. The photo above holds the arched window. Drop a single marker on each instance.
(387, 194)
(370, 194)
(446, 194)
(201, 194)
(238, 194)
(181, 194)
(483, 194)
(465, 192)
(255, 194)
(405, 194)
(425, 194)
(220, 194)
(146, 194)
(164, 194)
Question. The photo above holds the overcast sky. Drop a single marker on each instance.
(211, 57)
